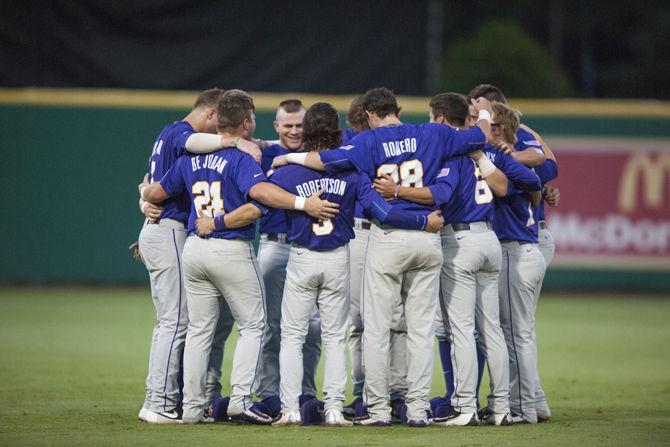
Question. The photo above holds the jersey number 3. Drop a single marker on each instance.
(207, 198)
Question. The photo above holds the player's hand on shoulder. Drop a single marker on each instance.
(551, 195)
(151, 211)
(385, 186)
(251, 148)
(204, 225)
(279, 160)
(435, 222)
(320, 209)
(503, 147)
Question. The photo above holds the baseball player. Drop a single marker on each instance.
(528, 147)
(412, 155)
(358, 122)
(273, 253)
(161, 243)
(523, 268)
(469, 281)
(318, 268)
(224, 265)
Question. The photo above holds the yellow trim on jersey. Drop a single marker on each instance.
(183, 100)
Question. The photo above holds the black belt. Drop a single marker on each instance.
(366, 225)
(542, 224)
(520, 242)
(276, 237)
(466, 226)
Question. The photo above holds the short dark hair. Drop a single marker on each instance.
(356, 117)
(234, 107)
(209, 98)
(381, 101)
(321, 127)
(488, 91)
(452, 106)
(291, 105)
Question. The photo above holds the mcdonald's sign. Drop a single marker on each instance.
(615, 204)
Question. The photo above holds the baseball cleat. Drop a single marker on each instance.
(456, 419)
(417, 423)
(335, 418)
(543, 416)
(488, 417)
(350, 410)
(165, 417)
(287, 418)
(251, 416)
(518, 419)
(369, 421)
(143, 415)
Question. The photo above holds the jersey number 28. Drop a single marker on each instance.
(409, 173)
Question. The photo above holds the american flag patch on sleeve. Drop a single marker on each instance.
(443, 172)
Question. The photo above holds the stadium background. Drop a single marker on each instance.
(86, 86)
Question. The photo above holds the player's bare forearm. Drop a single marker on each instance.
(484, 121)
(275, 197)
(311, 160)
(202, 143)
(154, 193)
(389, 190)
(242, 216)
(421, 195)
(529, 157)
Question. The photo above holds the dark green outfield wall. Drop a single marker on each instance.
(69, 208)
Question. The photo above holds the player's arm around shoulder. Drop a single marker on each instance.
(494, 177)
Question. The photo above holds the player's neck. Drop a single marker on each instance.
(389, 120)
(236, 134)
(196, 120)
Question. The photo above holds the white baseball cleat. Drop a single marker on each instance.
(287, 418)
(456, 419)
(165, 417)
(335, 418)
(488, 417)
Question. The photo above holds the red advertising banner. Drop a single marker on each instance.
(615, 203)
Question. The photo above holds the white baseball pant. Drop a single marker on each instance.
(318, 278)
(216, 269)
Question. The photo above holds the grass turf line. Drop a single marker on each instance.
(73, 364)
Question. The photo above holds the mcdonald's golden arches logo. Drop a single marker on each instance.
(653, 173)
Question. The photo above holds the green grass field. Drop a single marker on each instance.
(73, 363)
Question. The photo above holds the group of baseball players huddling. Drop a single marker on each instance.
(381, 237)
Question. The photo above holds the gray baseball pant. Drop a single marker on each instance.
(272, 259)
(161, 245)
(547, 248)
(398, 368)
(470, 304)
(398, 259)
(523, 268)
(315, 278)
(216, 269)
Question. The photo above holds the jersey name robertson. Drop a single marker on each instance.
(328, 185)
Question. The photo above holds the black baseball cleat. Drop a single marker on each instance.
(251, 416)
(350, 410)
